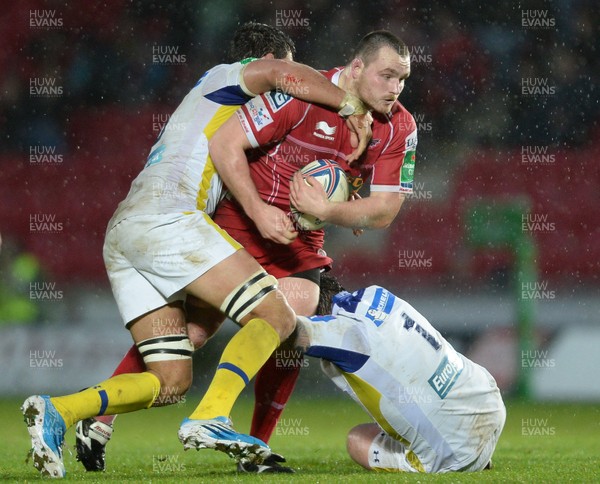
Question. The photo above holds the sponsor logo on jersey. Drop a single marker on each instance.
(259, 114)
(407, 173)
(355, 182)
(445, 376)
(374, 142)
(277, 100)
(155, 156)
(326, 132)
(411, 141)
(380, 309)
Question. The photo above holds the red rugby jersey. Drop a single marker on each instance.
(290, 133)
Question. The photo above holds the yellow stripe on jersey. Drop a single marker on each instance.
(371, 398)
(236, 245)
(221, 115)
(207, 175)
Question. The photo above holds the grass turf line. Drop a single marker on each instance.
(540, 443)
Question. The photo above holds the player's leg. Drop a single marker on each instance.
(242, 290)
(92, 434)
(168, 362)
(277, 378)
(492, 425)
(358, 443)
(373, 449)
(203, 321)
(131, 262)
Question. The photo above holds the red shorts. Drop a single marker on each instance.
(306, 252)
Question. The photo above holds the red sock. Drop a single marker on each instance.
(132, 362)
(272, 389)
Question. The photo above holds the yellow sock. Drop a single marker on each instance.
(243, 356)
(119, 394)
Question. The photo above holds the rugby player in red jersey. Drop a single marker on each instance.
(285, 135)
(209, 103)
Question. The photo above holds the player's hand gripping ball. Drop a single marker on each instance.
(329, 174)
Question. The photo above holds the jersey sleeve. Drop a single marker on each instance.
(394, 169)
(224, 84)
(337, 340)
(270, 116)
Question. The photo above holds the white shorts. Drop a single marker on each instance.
(151, 258)
(389, 454)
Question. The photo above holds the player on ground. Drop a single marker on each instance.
(291, 134)
(160, 245)
(436, 410)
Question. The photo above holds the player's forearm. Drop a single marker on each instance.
(298, 80)
(303, 82)
(232, 165)
(367, 213)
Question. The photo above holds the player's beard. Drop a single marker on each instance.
(380, 104)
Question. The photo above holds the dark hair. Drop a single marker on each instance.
(372, 42)
(329, 287)
(254, 39)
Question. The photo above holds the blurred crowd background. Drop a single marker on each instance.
(505, 98)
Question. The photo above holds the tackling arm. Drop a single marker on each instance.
(307, 84)
(299, 81)
(227, 152)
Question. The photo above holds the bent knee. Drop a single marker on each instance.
(275, 310)
(198, 335)
(358, 443)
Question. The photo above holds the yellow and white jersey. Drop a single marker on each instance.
(179, 175)
(441, 406)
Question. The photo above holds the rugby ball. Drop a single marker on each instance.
(335, 183)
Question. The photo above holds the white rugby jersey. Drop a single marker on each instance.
(390, 359)
(179, 174)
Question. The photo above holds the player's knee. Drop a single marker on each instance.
(358, 442)
(198, 335)
(169, 357)
(275, 310)
(352, 442)
(203, 321)
(258, 297)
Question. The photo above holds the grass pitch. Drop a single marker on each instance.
(540, 443)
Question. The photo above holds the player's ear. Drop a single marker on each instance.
(270, 55)
(356, 67)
